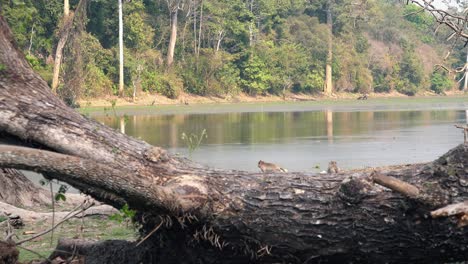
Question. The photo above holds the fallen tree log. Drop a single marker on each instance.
(30, 216)
(205, 215)
(16, 189)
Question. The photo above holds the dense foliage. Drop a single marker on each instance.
(224, 47)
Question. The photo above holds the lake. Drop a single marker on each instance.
(297, 137)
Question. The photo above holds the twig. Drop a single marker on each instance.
(465, 132)
(53, 212)
(396, 185)
(459, 210)
(150, 233)
(82, 224)
(84, 207)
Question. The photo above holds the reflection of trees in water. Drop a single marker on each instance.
(274, 127)
(329, 115)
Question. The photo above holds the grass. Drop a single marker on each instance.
(96, 228)
(346, 104)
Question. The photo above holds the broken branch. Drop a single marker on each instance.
(396, 185)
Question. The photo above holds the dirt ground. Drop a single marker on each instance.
(92, 227)
(144, 99)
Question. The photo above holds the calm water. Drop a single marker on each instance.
(301, 140)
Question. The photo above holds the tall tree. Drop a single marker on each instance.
(64, 32)
(66, 8)
(328, 89)
(174, 6)
(121, 55)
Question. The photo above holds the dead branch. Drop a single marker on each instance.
(457, 23)
(451, 210)
(396, 185)
(465, 132)
(460, 210)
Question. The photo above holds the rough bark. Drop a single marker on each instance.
(16, 189)
(207, 215)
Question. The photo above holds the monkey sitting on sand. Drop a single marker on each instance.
(270, 167)
(363, 97)
(332, 167)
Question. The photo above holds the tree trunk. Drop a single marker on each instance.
(328, 68)
(58, 62)
(220, 38)
(17, 190)
(173, 38)
(121, 56)
(200, 29)
(195, 45)
(205, 215)
(64, 34)
(66, 8)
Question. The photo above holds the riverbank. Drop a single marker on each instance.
(337, 103)
(147, 99)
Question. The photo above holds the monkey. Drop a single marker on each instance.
(270, 167)
(363, 97)
(332, 167)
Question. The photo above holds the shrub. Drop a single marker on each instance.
(255, 76)
(96, 83)
(313, 82)
(440, 82)
(170, 86)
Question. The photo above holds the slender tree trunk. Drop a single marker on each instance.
(200, 29)
(328, 89)
(121, 55)
(173, 38)
(251, 24)
(184, 33)
(31, 39)
(60, 45)
(66, 8)
(58, 62)
(195, 45)
(220, 38)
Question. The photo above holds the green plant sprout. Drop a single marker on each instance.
(193, 141)
(113, 103)
(125, 214)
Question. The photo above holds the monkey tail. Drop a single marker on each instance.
(283, 170)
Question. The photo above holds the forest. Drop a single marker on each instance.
(54, 53)
(226, 47)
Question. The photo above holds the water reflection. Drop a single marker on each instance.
(301, 140)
